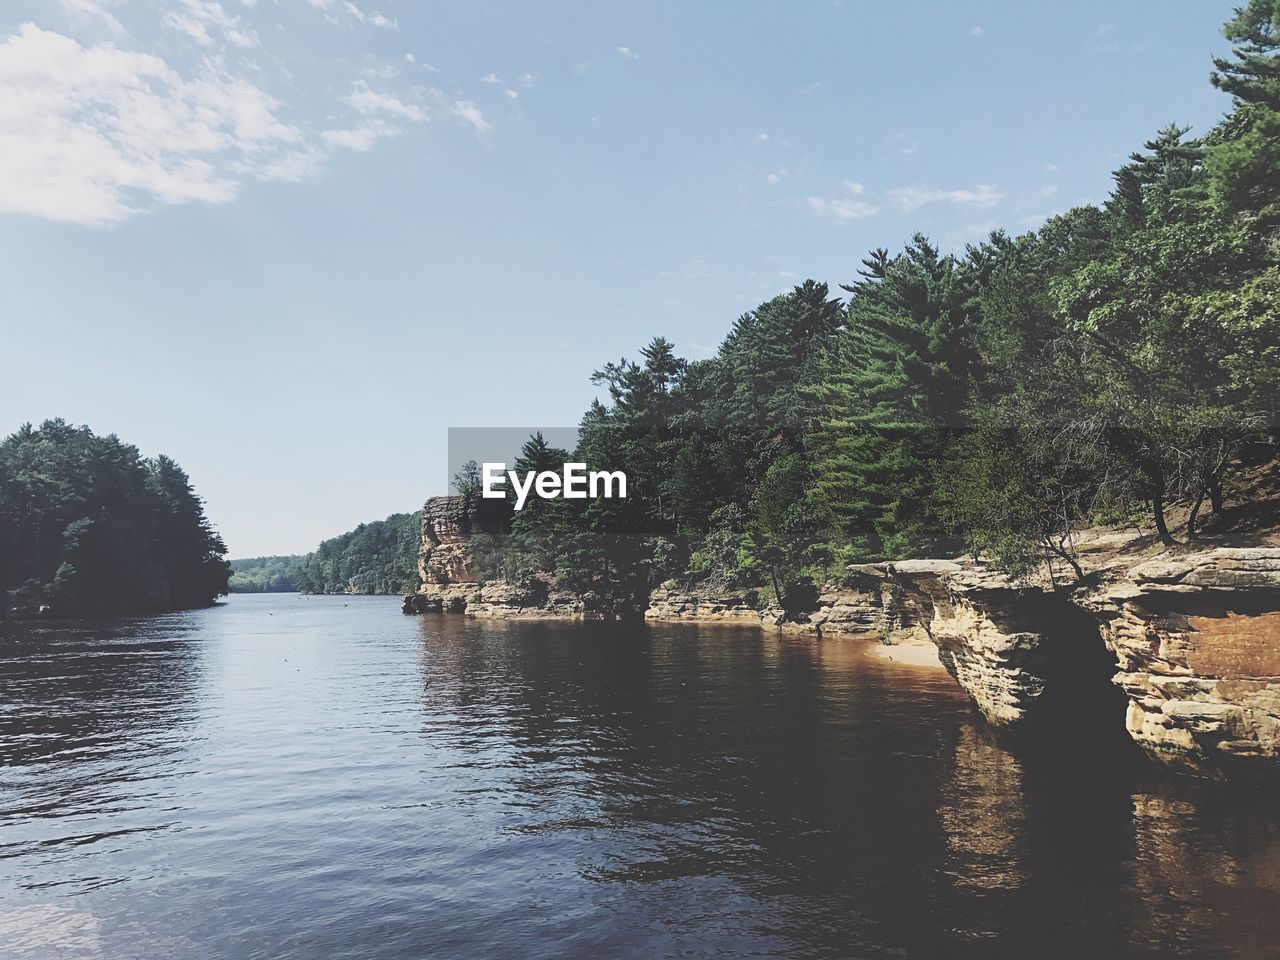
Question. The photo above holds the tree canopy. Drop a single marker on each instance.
(1118, 360)
(87, 525)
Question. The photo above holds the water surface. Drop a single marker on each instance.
(282, 776)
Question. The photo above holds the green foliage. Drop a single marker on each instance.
(88, 525)
(1244, 158)
(891, 397)
(265, 574)
(380, 557)
(993, 401)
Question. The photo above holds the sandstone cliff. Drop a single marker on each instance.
(1181, 649)
(1192, 639)
(1196, 639)
(448, 525)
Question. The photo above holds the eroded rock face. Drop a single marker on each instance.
(870, 604)
(671, 604)
(1193, 641)
(448, 524)
(1197, 641)
(997, 641)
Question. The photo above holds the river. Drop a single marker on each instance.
(315, 777)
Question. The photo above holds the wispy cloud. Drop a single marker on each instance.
(359, 14)
(380, 115)
(513, 94)
(854, 205)
(371, 102)
(628, 53)
(761, 137)
(850, 207)
(913, 197)
(467, 112)
(360, 139)
(92, 10)
(975, 32)
(94, 134)
(204, 20)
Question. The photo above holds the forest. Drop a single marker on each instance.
(277, 574)
(380, 557)
(376, 557)
(1119, 360)
(87, 526)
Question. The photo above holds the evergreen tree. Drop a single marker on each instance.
(893, 394)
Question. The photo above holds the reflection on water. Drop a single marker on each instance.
(290, 777)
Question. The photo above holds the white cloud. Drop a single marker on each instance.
(761, 137)
(373, 19)
(369, 102)
(292, 167)
(409, 58)
(489, 78)
(1048, 190)
(511, 93)
(527, 80)
(93, 10)
(469, 113)
(628, 53)
(786, 275)
(1105, 28)
(359, 14)
(91, 135)
(197, 18)
(776, 176)
(1052, 167)
(976, 32)
(843, 208)
(913, 197)
(377, 110)
(362, 138)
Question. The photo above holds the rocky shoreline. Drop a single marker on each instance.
(1189, 636)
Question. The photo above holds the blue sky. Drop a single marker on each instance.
(291, 242)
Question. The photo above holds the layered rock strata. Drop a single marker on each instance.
(1193, 640)
(1196, 638)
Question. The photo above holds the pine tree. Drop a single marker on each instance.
(894, 391)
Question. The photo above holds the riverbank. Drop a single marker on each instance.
(1178, 646)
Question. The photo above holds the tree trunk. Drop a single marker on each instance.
(1195, 512)
(1157, 509)
(1215, 497)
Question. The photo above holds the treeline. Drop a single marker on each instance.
(1118, 360)
(87, 525)
(265, 574)
(374, 558)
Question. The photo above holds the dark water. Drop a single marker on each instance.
(313, 778)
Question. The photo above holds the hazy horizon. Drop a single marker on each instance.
(290, 244)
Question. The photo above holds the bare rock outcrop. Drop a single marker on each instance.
(999, 642)
(1196, 638)
(1192, 638)
(448, 525)
(714, 606)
